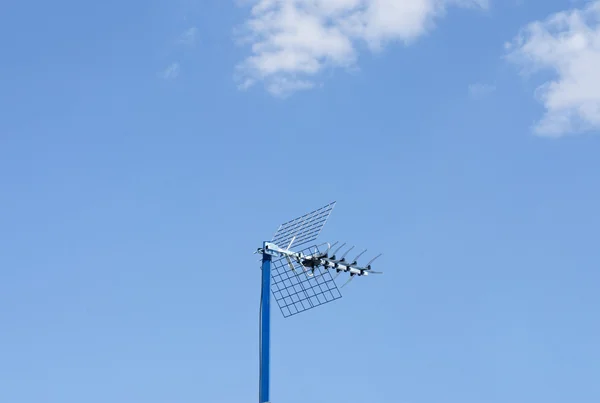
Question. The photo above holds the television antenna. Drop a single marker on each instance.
(300, 280)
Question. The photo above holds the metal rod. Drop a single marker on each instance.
(359, 255)
(265, 328)
(344, 255)
(372, 260)
(291, 242)
(331, 246)
(337, 250)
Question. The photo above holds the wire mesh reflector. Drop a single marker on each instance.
(297, 292)
(302, 229)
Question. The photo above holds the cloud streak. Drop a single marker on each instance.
(189, 37)
(171, 72)
(186, 40)
(293, 41)
(481, 90)
(567, 44)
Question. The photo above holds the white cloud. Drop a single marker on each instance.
(189, 37)
(480, 90)
(171, 72)
(292, 41)
(567, 44)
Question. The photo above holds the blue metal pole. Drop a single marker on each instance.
(265, 328)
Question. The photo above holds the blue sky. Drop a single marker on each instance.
(148, 148)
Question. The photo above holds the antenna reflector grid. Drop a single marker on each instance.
(298, 291)
(302, 229)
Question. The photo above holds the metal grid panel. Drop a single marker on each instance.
(304, 229)
(297, 292)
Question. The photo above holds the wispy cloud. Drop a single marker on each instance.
(189, 37)
(292, 41)
(171, 72)
(568, 45)
(480, 90)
